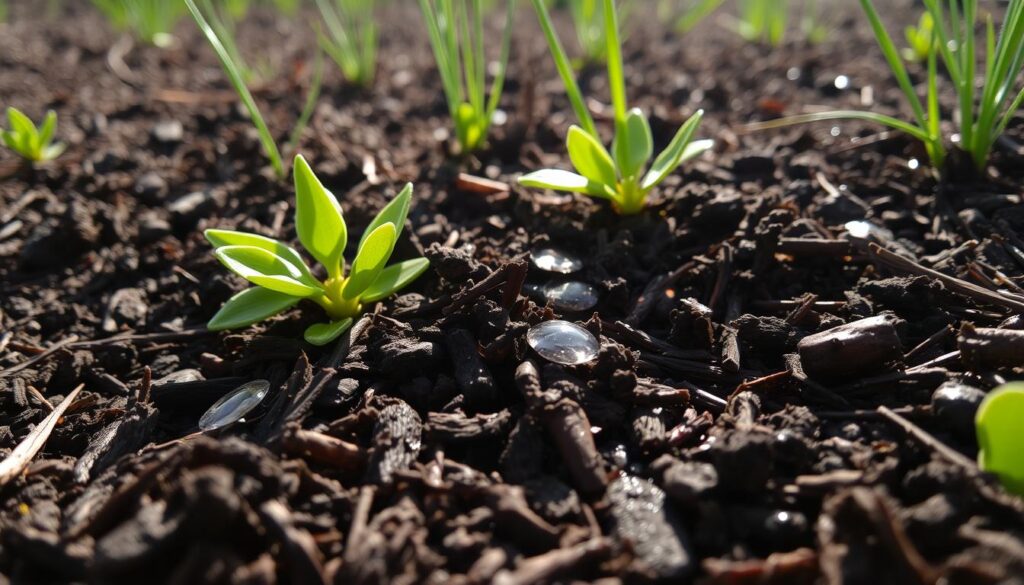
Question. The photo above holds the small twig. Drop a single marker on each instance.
(22, 455)
(927, 439)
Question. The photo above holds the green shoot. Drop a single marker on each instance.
(920, 39)
(235, 74)
(588, 19)
(763, 20)
(282, 278)
(694, 12)
(617, 176)
(31, 143)
(151, 21)
(4, 9)
(999, 435)
(351, 38)
(456, 32)
(982, 116)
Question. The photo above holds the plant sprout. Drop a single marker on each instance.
(151, 21)
(234, 71)
(982, 116)
(920, 38)
(999, 435)
(32, 143)
(693, 12)
(282, 278)
(588, 19)
(617, 176)
(763, 20)
(351, 38)
(456, 32)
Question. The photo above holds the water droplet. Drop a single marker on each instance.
(234, 405)
(913, 164)
(563, 342)
(793, 73)
(955, 139)
(865, 230)
(841, 82)
(499, 118)
(553, 260)
(835, 131)
(571, 296)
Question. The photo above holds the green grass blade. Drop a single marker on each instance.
(235, 76)
(310, 105)
(616, 76)
(892, 55)
(572, 88)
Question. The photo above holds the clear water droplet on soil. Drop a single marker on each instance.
(563, 342)
(572, 296)
(234, 405)
(552, 260)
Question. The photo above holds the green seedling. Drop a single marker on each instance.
(351, 38)
(282, 278)
(622, 176)
(235, 72)
(456, 31)
(920, 38)
(588, 20)
(999, 435)
(982, 116)
(763, 20)
(693, 12)
(32, 143)
(150, 21)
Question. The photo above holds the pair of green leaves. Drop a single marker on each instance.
(33, 144)
(920, 38)
(282, 278)
(618, 176)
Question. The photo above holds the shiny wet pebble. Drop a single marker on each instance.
(955, 405)
(552, 260)
(571, 296)
(234, 405)
(563, 342)
(865, 230)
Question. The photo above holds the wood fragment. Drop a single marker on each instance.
(22, 455)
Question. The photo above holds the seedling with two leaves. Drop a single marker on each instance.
(456, 30)
(621, 176)
(282, 278)
(31, 143)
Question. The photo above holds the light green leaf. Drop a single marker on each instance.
(53, 151)
(221, 238)
(11, 141)
(394, 212)
(370, 260)
(324, 333)
(318, 219)
(672, 156)
(48, 128)
(394, 278)
(590, 157)
(633, 143)
(560, 180)
(998, 428)
(265, 269)
(20, 123)
(250, 306)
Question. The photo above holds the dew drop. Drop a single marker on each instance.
(913, 164)
(571, 296)
(835, 131)
(841, 82)
(865, 230)
(563, 342)
(499, 118)
(552, 260)
(234, 405)
(793, 73)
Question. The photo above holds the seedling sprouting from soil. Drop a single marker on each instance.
(920, 38)
(999, 435)
(351, 38)
(33, 144)
(588, 20)
(763, 20)
(981, 117)
(618, 176)
(692, 12)
(456, 29)
(282, 278)
(236, 75)
(151, 21)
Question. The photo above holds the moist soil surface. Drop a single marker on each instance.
(727, 432)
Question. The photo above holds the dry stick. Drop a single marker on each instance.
(925, 438)
(22, 455)
(896, 262)
(935, 338)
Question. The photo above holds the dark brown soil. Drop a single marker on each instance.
(723, 435)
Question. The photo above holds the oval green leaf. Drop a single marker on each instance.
(221, 238)
(324, 333)
(590, 157)
(560, 180)
(318, 219)
(999, 435)
(633, 143)
(250, 306)
(370, 260)
(674, 153)
(265, 269)
(394, 212)
(394, 278)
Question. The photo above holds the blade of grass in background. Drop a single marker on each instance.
(235, 76)
(150, 21)
(351, 38)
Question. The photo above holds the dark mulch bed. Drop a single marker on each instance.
(719, 434)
